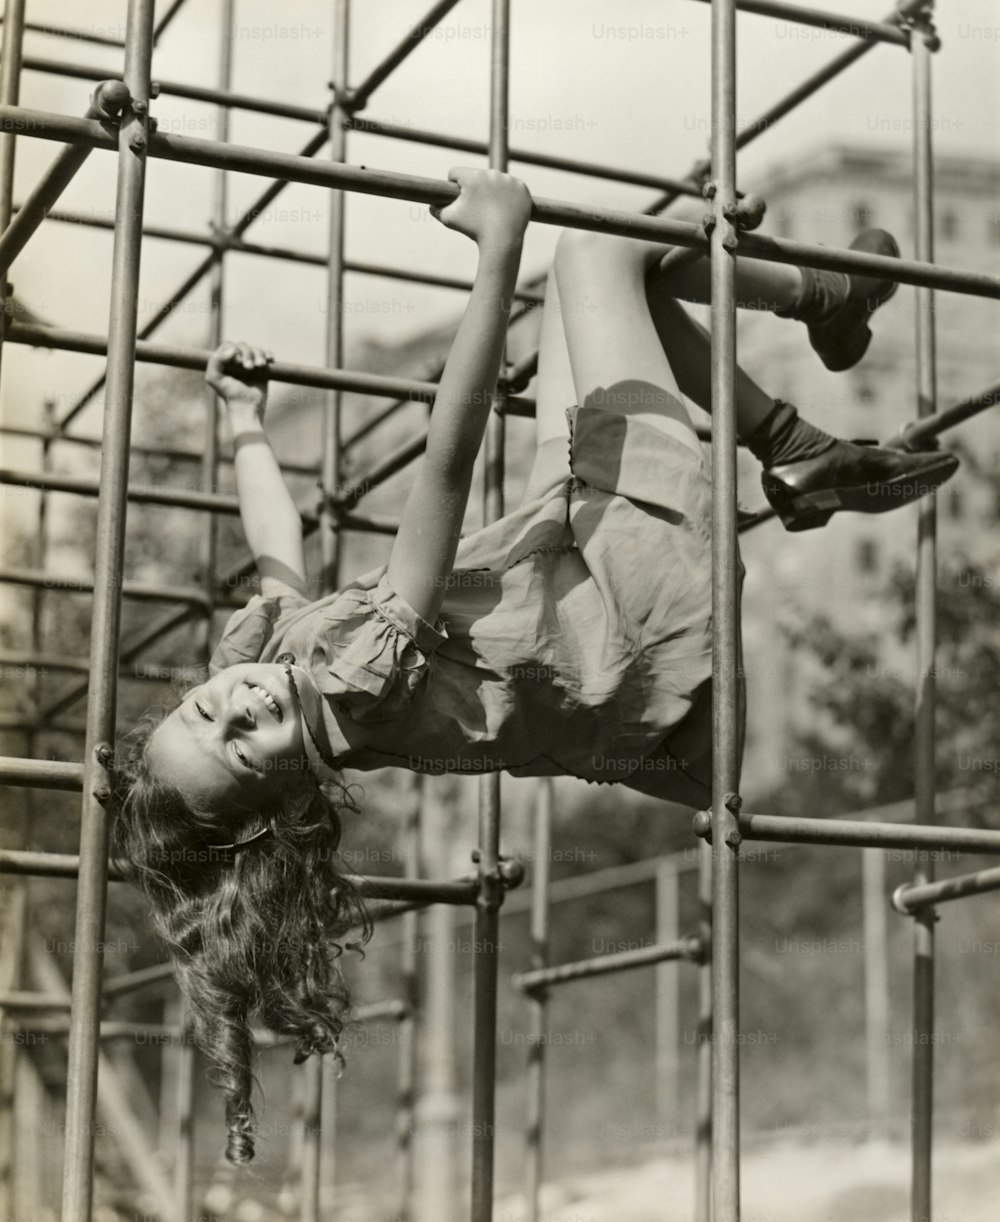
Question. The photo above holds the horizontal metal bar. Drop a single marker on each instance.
(389, 184)
(40, 580)
(131, 982)
(836, 23)
(197, 358)
(238, 246)
(459, 891)
(79, 485)
(416, 135)
(41, 774)
(30, 724)
(27, 659)
(931, 426)
(857, 833)
(689, 949)
(903, 271)
(103, 40)
(110, 1029)
(170, 453)
(33, 1001)
(178, 89)
(452, 891)
(910, 897)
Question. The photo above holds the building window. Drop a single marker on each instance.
(949, 224)
(993, 224)
(956, 503)
(867, 556)
(861, 215)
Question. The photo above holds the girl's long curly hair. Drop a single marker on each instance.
(253, 932)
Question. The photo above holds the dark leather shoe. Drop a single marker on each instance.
(842, 339)
(866, 479)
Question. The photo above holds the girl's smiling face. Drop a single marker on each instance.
(233, 740)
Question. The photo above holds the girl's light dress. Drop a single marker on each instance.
(574, 637)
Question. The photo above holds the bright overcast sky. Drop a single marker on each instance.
(625, 83)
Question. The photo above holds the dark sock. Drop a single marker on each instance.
(783, 437)
(821, 296)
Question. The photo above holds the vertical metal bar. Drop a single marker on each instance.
(491, 892)
(312, 1112)
(725, 626)
(184, 1065)
(216, 289)
(10, 88)
(874, 909)
(668, 980)
(332, 424)
(538, 1000)
(106, 622)
(703, 1106)
(439, 1107)
(317, 1110)
(407, 1031)
(922, 44)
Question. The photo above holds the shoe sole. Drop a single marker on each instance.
(860, 340)
(813, 509)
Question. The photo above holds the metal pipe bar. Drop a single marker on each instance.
(10, 84)
(106, 105)
(140, 1033)
(417, 135)
(166, 19)
(178, 357)
(798, 95)
(924, 741)
(178, 89)
(449, 891)
(41, 774)
(237, 246)
(408, 1059)
(725, 628)
(689, 949)
(131, 982)
(459, 891)
(170, 453)
(24, 1000)
(103, 40)
(490, 897)
(76, 485)
(130, 589)
(81, 1104)
(932, 424)
(401, 457)
(540, 899)
(911, 897)
(824, 19)
(860, 834)
(360, 95)
(249, 215)
(393, 185)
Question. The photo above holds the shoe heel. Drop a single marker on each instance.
(804, 519)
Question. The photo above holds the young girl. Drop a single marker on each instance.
(573, 636)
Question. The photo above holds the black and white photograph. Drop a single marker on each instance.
(499, 611)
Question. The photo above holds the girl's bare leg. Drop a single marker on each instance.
(598, 342)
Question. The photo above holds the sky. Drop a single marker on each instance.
(624, 84)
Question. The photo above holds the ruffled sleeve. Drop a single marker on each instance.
(376, 651)
(250, 629)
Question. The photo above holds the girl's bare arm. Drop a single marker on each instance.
(493, 209)
(271, 523)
